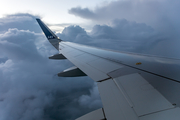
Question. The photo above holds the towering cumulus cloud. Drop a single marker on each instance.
(161, 15)
(29, 88)
(153, 12)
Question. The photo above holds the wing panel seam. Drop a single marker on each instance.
(127, 65)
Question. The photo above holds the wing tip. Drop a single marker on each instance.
(38, 19)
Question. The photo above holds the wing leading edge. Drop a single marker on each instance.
(130, 85)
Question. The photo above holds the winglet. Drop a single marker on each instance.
(53, 39)
(49, 34)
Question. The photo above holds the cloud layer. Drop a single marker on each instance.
(29, 88)
(124, 35)
(154, 23)
(160, 14)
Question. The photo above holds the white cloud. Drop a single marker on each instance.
(29, 87)
(21, 21)
(91, 101)
(160, 14)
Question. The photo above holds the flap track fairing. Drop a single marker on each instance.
(57, 57)
(72, 72)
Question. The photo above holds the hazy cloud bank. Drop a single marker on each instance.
(154, 23)
(156, 13)
(29, 88)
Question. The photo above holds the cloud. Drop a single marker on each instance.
(160, 14)
(75, 33)
(122, 9)
(29, 87)
(21, 21)
(19, 44)
(135, 25)
(83, 12)
(120, 34)
(123, 30)
(91, 101)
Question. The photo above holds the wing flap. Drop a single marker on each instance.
(115, 104)
(131, 97)
(145, 98)
(172, 114)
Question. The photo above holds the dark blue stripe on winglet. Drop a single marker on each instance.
(49, 34)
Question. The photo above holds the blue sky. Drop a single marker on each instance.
(29, 86)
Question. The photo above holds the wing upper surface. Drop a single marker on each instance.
(126, 81)
(125, 92)
(164, 67)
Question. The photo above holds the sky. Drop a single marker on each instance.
(51, 11)
(29, 86)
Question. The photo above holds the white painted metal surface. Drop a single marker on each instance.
(144, 97)
(81, 60)
(123, 98)
(116, 106)
(102, 65)
(171, 114)
(94, 115)
(90, 71)
(131, 97)
(153, 64)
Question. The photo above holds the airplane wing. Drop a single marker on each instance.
(131, 86)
